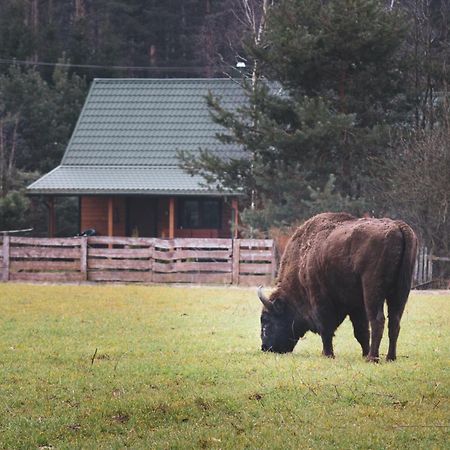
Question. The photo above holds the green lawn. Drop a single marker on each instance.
(174, 367)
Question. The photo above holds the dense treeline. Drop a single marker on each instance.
(40, 101)
(170, 37)
(362, 123)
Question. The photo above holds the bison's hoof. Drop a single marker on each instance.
(328, 355)
(373, 359)
(390, 358)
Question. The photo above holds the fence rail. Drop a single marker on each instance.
(146, 260)
(152, 260)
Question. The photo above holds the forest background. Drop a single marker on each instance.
(348, 102)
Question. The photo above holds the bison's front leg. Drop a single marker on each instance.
(327, 341)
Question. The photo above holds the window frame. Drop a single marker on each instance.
(202, 201)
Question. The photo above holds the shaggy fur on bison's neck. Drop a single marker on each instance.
(296, 257)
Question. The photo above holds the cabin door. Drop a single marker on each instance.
(142, 216)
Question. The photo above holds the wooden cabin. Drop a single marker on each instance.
(122, 164)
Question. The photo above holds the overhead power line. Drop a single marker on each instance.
(97, 66)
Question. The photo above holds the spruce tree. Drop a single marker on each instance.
(332, 91)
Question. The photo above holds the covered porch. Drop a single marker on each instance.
(154, 216)
(164, 216)
(163, 202)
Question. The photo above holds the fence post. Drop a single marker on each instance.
(430, 267)
(236, 258)
(151, 257)
(5, 253)
(84, 258)
(419, 262)
(273, 263)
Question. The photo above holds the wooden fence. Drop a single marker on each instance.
(151, 260)
(423, 269)
(147, 260)
(431, 271)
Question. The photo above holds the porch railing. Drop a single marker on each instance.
(146, 260)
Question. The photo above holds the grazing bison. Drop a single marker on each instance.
(337, 265)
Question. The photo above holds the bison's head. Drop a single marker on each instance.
(280, 331)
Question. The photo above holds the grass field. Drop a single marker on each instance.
(175, 367)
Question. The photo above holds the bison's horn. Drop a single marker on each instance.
(264, 300)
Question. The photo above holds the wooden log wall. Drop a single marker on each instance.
(145, 260)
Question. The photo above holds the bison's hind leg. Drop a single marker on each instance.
(361, 329)
(395, 312)
(374, 303)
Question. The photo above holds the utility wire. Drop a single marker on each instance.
(94, 66)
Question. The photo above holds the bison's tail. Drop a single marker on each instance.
(405, 273)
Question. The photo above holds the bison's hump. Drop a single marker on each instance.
(321, 222)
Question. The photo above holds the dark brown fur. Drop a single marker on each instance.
(337, 265)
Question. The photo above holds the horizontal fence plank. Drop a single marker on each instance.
(119, 275)
(255, 255)
(255, 268)
(192, 254)
(440, 258)
(45, 242)
(126, 253)
(118, 264)
(255, 243)
(194, 278)
(105, 240)
(194, 243)
(45, 252)
(192, 267)
(254, 280)
(50, 277)
(44, 266)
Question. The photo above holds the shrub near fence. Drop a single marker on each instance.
(147, 260)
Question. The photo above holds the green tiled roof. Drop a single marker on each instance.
(162, 180)
(131, 124)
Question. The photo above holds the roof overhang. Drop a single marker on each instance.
(124, 180)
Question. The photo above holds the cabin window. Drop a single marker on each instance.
(199, 213)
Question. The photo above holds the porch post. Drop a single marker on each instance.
(51, 217)
(110, 217)
(171, 217)
(235, 219)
